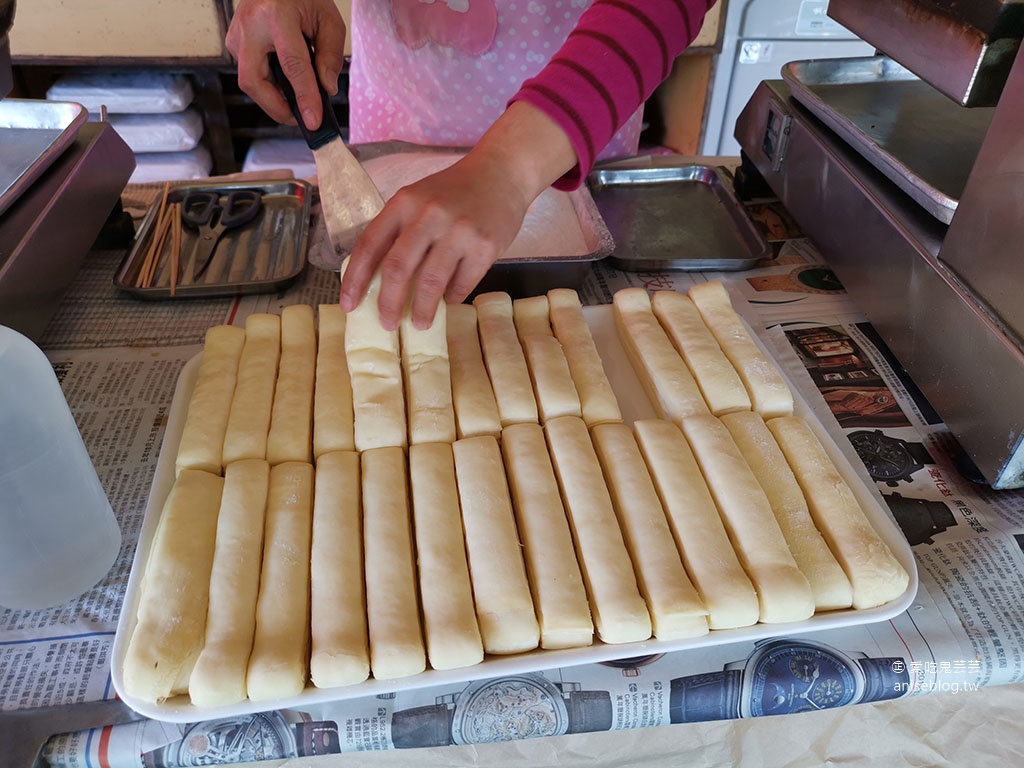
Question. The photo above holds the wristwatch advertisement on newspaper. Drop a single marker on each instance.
(889, 459)
(784, 676)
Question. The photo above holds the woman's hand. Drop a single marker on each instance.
(260, 27)
(436, 238)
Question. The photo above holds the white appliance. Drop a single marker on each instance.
(758, 38)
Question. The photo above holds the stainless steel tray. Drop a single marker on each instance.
(921, 140)
(675, 218)
(33, 134)
(263, 256)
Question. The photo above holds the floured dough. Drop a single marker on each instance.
(782, 590)
(597, 399)
(253, 401)
(662, 372)
(552, 382)
(830, 586)
(504, 605)
(339, 651)
(476, 410)
(333, 422)
(202, 440)
(279, 664)
(875, 574)
(218, 678)
(675, 607)
(171, 622)
(504, 358)
(697, 528)
(718, 381)
(449, 615)
(428, 380)
(291, 421)
(531, 316)
(768, 390)
(619, 611)
(557, 585)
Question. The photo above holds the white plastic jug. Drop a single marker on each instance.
(58, 534)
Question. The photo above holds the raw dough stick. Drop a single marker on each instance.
(697, 528)
(675, 607)
(339, 653)
(504, 358)
(556, 583)
(552, 382)
(718, 381)
(829, 584)
(446, 594)
(392, 604)
(428, 380)
(333, 427)
(665, 377)
(476, 410)
(768, 390)
(172, 610)
(218, 678)
(531, 316)
(251, 406)
(504, 606)
(278, 666)
(291, 420)
(619, 611)
(202, 440)
(597, 399)
(875, 574)
(782, 591)
(378, 403)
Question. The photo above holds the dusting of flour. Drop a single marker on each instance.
(551, 228)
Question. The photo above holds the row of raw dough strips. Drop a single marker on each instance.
(280, 390)
(379, 561)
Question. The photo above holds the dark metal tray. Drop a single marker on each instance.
(682, 217)
(33, 134)
(921, 140)
(263, 256)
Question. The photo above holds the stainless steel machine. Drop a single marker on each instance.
(60, 178)
(907, 171)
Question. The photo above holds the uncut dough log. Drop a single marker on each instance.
(619, 611)
(172, 608)
(530, 315)
(375, 369)
(218, 678)
(829, 584)
(697, 527)
(279, 664)
(782, 590)
(449, 615)
(597, 399)
(504, 358)
(476, 410)
(253, 401)
(339, 649)
(392, 603)
(675, 607)
(333, 422)
(665, 377)
(876, 575)
(719, 383)
(559, 595)
(202, 439)
(769, 393)
(291, 419)
(552, 382)
(501, 592)
(428, 380)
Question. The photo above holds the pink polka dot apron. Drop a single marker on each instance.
(440, 72)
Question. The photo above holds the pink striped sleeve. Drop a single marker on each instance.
(611, 63)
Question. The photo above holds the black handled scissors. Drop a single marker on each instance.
(212, 218)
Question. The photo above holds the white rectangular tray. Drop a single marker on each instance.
(634, 405)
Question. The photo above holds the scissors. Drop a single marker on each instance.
(211, 218)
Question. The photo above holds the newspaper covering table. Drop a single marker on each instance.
(118, 360)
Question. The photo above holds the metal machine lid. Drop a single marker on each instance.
(977, 40)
